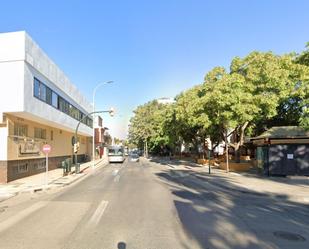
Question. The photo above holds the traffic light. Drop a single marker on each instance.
(76, 147)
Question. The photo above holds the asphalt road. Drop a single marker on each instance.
(150, 205)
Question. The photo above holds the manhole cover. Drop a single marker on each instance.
(289, 236)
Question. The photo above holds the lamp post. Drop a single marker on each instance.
(93, 111)
(111, 112)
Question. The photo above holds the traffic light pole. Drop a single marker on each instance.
(75, 135)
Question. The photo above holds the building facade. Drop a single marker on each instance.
(283, 150)
(38, 105)
(99, 136)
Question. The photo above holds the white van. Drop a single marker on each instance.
(116, 154)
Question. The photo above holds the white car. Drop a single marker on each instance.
(134, 158)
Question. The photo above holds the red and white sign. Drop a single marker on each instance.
(46, 148)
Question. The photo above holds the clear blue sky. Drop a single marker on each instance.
(156, 48)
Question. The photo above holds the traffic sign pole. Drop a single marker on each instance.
(46, 173)
(46, 149)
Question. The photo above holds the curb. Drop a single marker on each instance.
(52, 185)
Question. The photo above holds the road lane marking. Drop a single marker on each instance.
(115, 172)
(117, 178)
(95, 218)
(21, 215)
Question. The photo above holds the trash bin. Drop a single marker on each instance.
(64, 166)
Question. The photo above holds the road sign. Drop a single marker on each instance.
(46, 148)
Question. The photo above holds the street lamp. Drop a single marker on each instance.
(93, 111)
(111, 112)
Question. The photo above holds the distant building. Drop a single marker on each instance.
(99, 140)
(166, 100)
(38, 105)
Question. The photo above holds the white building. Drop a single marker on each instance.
(165, 100)
(38, 105)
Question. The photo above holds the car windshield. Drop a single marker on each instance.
(115, 152)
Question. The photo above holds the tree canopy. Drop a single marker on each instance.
(258, 91)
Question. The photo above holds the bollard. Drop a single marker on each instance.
(63, 164)
(77, 168)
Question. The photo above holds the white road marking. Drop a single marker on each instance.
(117, 178)
(115, 172)
(21, 215)
(95, 218)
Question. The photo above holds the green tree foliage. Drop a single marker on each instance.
(192, 121)
(148, 126)
(303, 58)
(259, 91)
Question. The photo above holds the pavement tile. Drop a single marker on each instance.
(37, 182)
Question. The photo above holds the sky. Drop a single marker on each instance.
(152, 49)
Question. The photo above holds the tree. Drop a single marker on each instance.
(192, 121)
(251, 92)
(303, 58)
(147, 126)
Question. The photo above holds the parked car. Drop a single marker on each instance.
(134, 158)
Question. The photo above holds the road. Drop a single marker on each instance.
(150, 205)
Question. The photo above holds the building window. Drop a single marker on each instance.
(22, 168)
(39, 133)
(54, 100)
(51, 135)
(43, 92)
(48, 96)
(36, 88)
(61, 104)
(20, 130)
(39, 166)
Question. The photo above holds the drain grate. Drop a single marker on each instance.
(289, 236)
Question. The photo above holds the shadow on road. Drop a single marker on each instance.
(224, 218)
(302, 181)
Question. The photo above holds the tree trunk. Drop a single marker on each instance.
(204, 148)
(195, 147)
(226, 152)
(240, 142)
(146, 148)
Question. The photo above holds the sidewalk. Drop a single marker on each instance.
(55, 179)
(292, 188)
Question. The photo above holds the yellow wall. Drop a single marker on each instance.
(60, 144)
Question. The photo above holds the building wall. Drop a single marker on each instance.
(45, 113)
(32, 158)
(21, 59)
(59, 140)
(36, 57)
(12, 46)
(12, 86)
(3, 142)
(3, 171)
